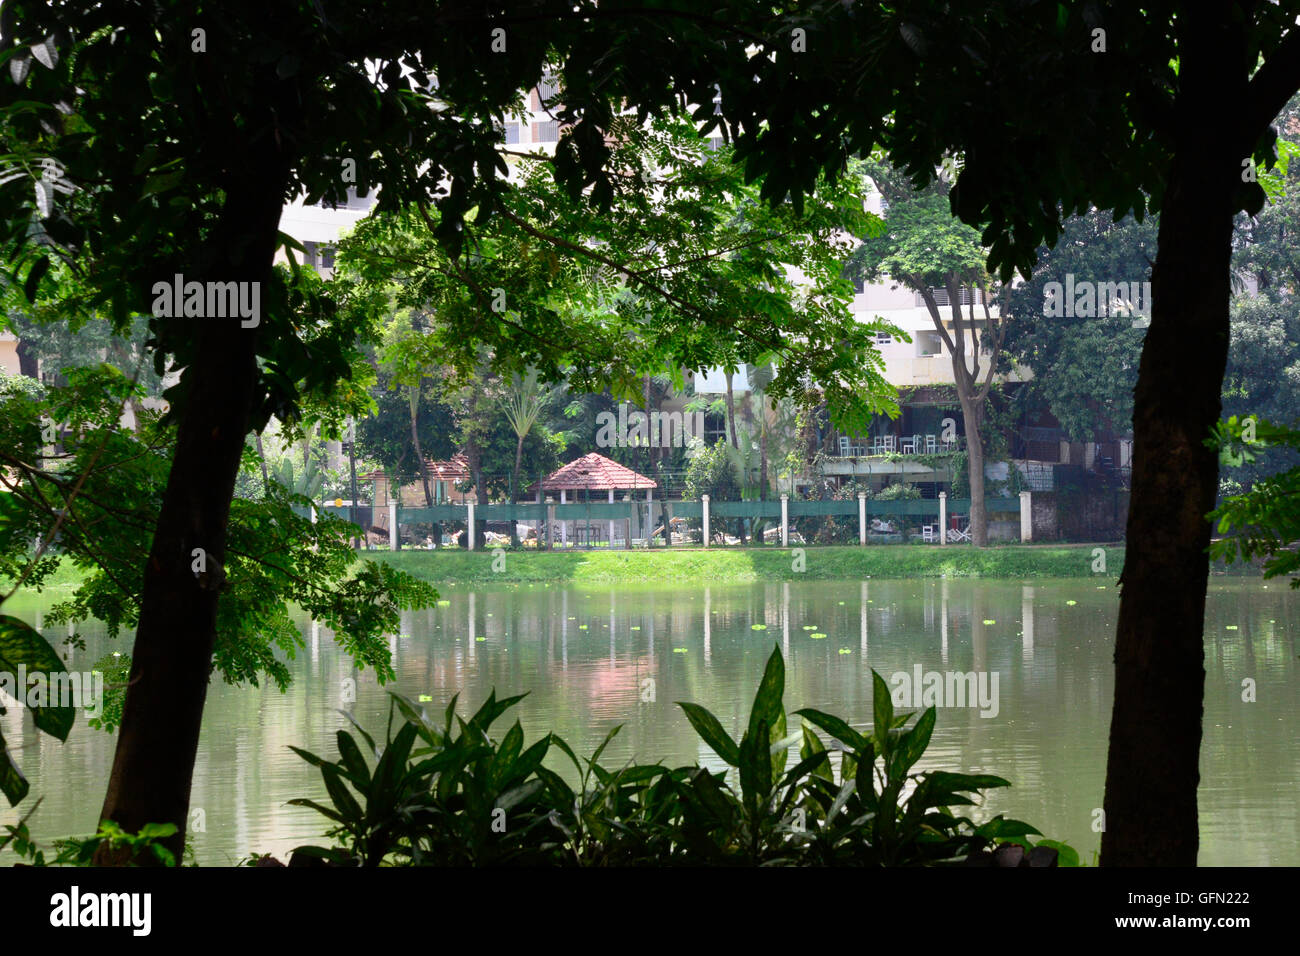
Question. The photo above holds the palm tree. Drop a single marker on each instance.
(522, 404)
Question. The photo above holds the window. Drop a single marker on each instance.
(715, 143)
(883, 338)
(512, 134)
(547, 91)
(548, 132)
(966, 296)
(327, 257)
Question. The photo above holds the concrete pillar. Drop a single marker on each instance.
(611, 521)
(564, 525)
(550, 526)
(705, 500)
(862, 517)
(392, 524)
(1026, 517)
(943, 517)
(469, 526)
(649, 518)
(785, 521)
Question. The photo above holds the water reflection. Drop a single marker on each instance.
(592, 659)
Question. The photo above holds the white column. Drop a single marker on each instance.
(469, 526)
(943, 517)
(564, 525)
(705, 500)
(862, 517)
(648, 531)
(1026, 517)
(611, 521)
(785, 521)
(392, 525)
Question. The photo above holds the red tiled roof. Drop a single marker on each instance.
(457, 469)
(595, 473)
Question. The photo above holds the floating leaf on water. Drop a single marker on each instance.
(817, 634)
(444, 603)
(1071, 603)
(582, 627)
(636, 627)
(480, 639)
(679, 650)
(841, 602)
(845, 650)
(989, 621)
(1230, 627)
(758, 627)
(810, 627)
(425, 698)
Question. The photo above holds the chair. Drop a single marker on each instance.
(930, 445)
(846, 450)
(909, 445)
(927, 533)
(889, 441)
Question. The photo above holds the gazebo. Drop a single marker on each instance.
(596, 473)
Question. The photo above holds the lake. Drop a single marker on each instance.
(592, 658)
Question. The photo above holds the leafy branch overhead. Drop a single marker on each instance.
(692, 273)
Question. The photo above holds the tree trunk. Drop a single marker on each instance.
(1152, 767)
(731, 414)
(475, 459)
(514, 490)
(172, 656)
(261, 460)
(419, 452)
(971, 414)
(27, 360)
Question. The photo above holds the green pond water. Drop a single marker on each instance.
(592, 658)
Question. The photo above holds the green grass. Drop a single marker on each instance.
(744, 565)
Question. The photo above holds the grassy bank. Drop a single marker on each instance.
(741, 566)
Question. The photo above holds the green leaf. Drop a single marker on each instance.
(834, 726)
(352, 759)
(767, 701)
(12, 782)
(912, 744)
(708, 727)
(882, 707)
(21, 644)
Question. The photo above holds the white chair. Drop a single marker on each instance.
(930, 445)
(909, 445)
(927, 534)
(846, 450)
(889, 442)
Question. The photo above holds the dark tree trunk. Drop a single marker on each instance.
(172, 656)
(419, 452)
(1152, 768)
(27, 361)
(971, 414)
(474, 457)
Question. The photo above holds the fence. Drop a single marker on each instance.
(640, 522)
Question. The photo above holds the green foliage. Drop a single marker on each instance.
(148, 840)
(712, 472)
(1085, 367)
(447, 793)
(102, 493)
(600, 298)
(1263, 522)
